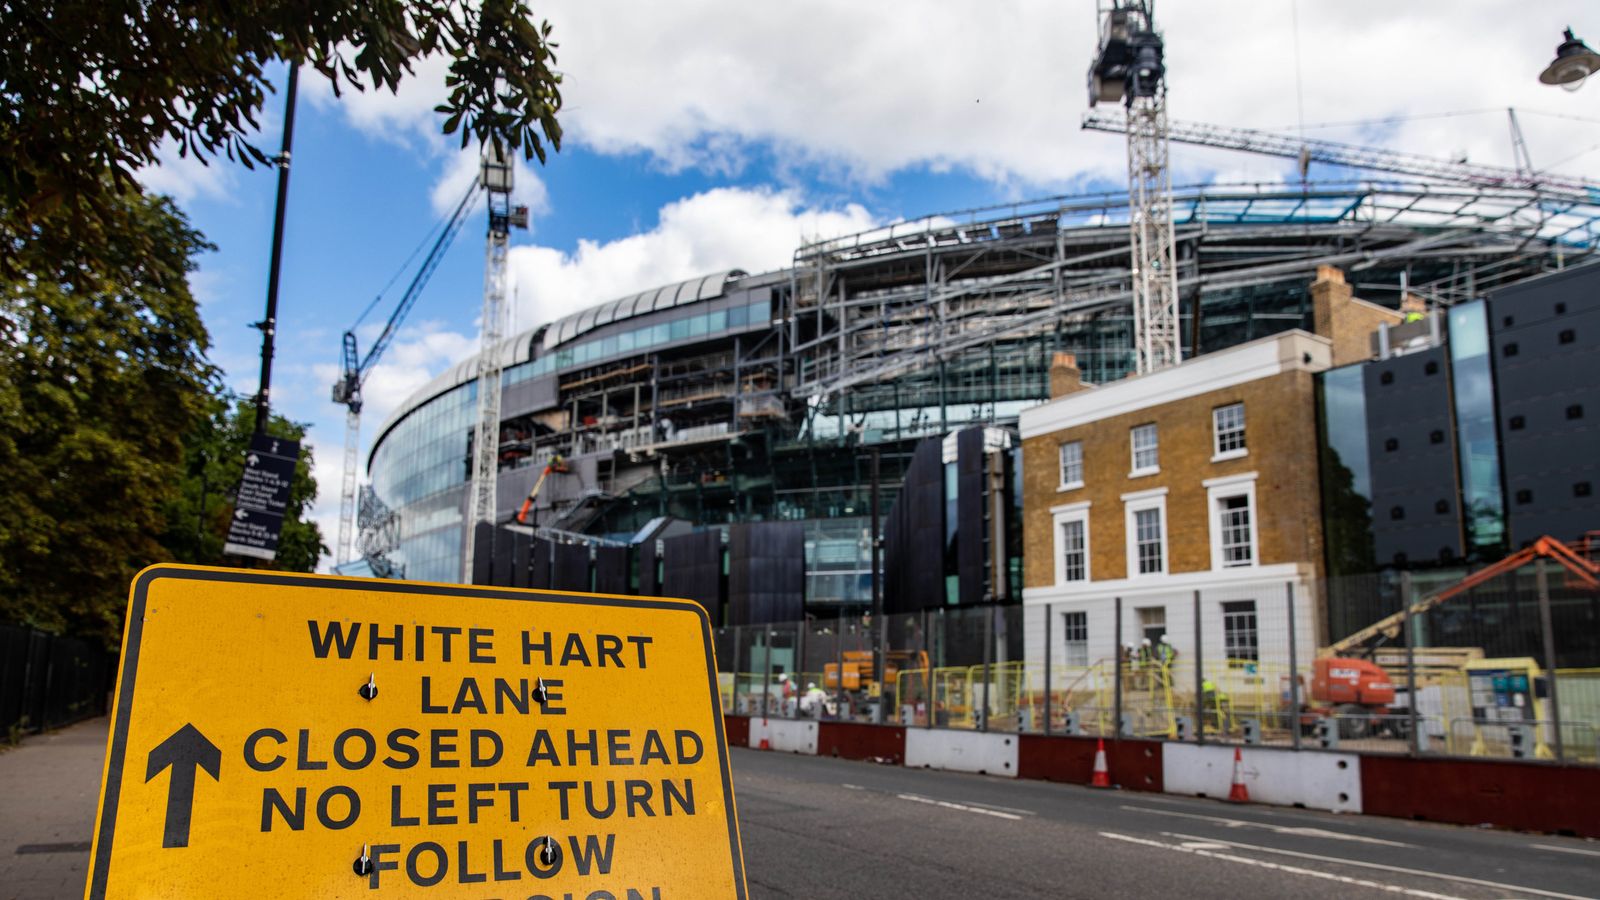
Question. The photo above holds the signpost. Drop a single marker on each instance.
(281, 735)
(263, 497)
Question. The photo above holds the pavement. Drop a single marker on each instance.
(51, 786)
(824, 828)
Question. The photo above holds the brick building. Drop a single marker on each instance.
(1201, 477)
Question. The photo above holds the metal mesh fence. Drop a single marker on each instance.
(1503, 667)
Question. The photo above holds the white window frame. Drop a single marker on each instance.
(1061, 515)
(1135, 470)
(1254, 631)
(1067, 643)
(1061, 465)
(1218, 454)
(1218, 489)
(1139, 501)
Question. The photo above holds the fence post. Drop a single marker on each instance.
(838, 649)
(1116, 656)
(988, 662)
(1294, 671)
(766, 685)
(1411, 664)
(1199, 677)
(800, 655)
(1549, 655)
(1048, 615)
(738, 649)
(927, 670)
(879, 667)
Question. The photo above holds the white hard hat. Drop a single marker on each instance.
(1164, 639)
(811, 685)
(783, 677)
(1146, 642)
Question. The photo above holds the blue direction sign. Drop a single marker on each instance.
(263, 497)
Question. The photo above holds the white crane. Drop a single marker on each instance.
(1307, 151)
(347, 390)
(1128, 67)
(497, 180)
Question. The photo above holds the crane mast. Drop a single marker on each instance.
(497, 180)
(347, 390)
(1128, 67)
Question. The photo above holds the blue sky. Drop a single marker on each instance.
(710, 134)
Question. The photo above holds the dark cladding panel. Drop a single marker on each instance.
(969, 514)
(539, 571)
(914, 535)
(504, 551)
(521, 547)
(483, 560)
(611, 570)
(1546, 339)
(692, 567)
(571, 568)
(645, 558)
(1412, 442)
(766, 573)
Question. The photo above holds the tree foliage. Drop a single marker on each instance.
(197, 513)
(102, 373)
(88, 87)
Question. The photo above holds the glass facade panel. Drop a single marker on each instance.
(1472, 387)
(1346, 472)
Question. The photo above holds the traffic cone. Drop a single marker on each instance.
(765, 744)
(1102, 777)
(1238, 793)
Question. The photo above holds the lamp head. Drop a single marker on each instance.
(1574, 62)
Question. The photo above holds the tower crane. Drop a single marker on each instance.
(1250, 140)
(347, 390)
(1128, 67)
(497, 180)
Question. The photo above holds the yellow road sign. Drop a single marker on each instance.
(308, 736)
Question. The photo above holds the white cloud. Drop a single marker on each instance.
(863, 90)
(726, 228)
(185, 178)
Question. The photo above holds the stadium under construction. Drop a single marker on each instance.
(741, 398)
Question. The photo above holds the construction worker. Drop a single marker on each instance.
(1142, 663)
(811, 702)
(1216, 706)
(1166, 658)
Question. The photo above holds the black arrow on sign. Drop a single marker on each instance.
(184, 752)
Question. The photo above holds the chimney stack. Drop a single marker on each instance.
(1065, 377)
(1345, 319)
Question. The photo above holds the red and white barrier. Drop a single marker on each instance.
(962, 751)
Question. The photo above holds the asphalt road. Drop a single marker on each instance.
(820, 828)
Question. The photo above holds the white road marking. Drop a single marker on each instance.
(852, 787)
(1301, 830)
(958, 806)
(1568, 850)
(1516, 890)
(1203, 848)
(1009, 809)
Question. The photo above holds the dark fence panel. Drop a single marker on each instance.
(48, 681)
(571, 568)
(611, 570)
